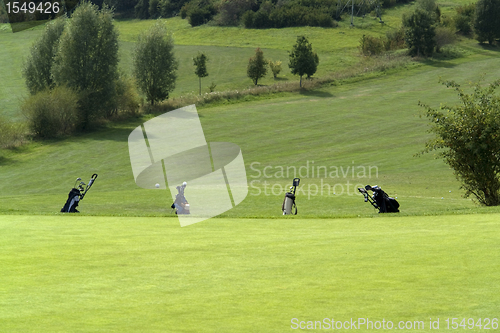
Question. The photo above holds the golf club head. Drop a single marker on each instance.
(368, 187)
(78, 179)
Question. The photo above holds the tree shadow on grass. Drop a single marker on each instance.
(487, 47)
(315, 93)
(437, 63)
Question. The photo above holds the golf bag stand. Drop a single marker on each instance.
(289, 201)
(181, 205)
(379, 199)
(77, 194)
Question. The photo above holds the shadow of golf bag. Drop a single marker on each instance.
(379, 199)
(77, 194)
(289, 202)
(181, 205)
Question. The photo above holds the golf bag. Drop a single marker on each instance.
(289, 202)
(180, 205)
(76, 195)
(379, 199)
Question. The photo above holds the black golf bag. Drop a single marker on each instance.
(289, 202)
(77, 194)
(181, 205)
(72, 202)
(379, 199)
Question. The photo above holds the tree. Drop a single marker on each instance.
(257, 66)
(155, 64)
(87, 61)
(37, 70)
(302, 59)
(468, 138)
(486, 20)
(200, 61)
(420, 32)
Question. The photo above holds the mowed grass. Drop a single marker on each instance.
(371, 125)
(109, 274)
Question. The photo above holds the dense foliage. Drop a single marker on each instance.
(257, 66)
(79, 54)
(250, 13)
(37, 69)
(468, 138)
(420, 32)
(87, 61)
(303, 61)
(155, 64)
(486, 20)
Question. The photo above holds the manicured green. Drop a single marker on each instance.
(110, 274)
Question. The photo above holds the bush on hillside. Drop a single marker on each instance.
(464, 18)
(370, 45)
(52, 113)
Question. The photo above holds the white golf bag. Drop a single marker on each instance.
(289, 202)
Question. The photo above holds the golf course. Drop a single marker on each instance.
(124, 264)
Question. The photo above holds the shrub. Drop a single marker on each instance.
(466, 136)
(128, 99)
(395, 39)
(420, 32)
(464, 18)
(486, 22)
(443, 37)
(275, 67)
(370, 45)
(198, 12)
(53, 113)
(231, 11)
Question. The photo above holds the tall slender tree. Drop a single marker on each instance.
(155, 64)
(257, 66)
(200, 62)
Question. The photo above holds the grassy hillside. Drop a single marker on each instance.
(373, 122)
(229, 49)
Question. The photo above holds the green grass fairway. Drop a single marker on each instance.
(110, 274)
(370, 123)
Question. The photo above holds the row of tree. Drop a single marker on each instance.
(75, 63)
(303, 61)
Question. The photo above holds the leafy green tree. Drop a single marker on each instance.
(487, 20)
(87, 61)
(464, 18)
(302, 59)
(468, 139)
(257, 66)
(155, 64)
(200, 61)
(420, 32)
(142, 9)
(37, 69)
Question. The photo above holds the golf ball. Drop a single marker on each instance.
(157, 185)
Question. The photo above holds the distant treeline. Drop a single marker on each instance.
(249, 13)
